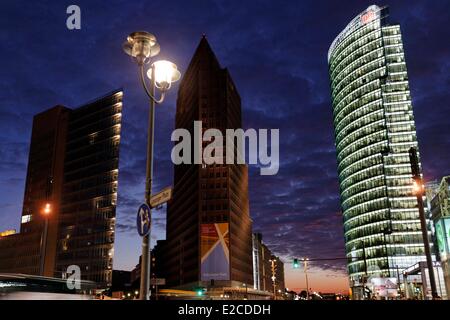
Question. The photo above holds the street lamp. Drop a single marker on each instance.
(142, 47)
(273, 268)
(305, 265)
(46, 210)
(246, 291)
(419, 191)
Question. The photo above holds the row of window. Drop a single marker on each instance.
(354, 69)
(373, 70)
(347, 110)
(360, 117)
(362, 154)
(360, 37)
(365, 136)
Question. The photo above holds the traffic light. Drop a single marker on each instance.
(200, 291)
(296, 264)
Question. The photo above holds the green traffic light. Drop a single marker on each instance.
(296, 264)
(200, 292)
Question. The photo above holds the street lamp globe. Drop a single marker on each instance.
(47, 209)
(141, 45)
(417, 188)
(165, 72)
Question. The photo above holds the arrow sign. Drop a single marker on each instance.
(161, 197)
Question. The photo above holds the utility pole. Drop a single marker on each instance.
(305, 266)
(274, 277)
(365, 269)
(419, 192)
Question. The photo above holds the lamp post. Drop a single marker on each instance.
(419, 191)
(246, 291)
(142, 47)
(45, 213)
(273, 268)
(365, 267)
(305, 266)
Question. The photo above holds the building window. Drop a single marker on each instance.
(26, 218)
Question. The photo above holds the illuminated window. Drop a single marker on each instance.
(26, 218)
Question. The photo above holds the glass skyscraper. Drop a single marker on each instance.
(374, 129)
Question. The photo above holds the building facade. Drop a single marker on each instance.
(209, 237)
(73, 173)
(374, 129)
(266, 266)
(440, 212)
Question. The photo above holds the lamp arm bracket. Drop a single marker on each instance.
(147, 91)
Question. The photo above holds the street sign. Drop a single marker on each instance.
(161, 197)
(143, 220)
(157, 281)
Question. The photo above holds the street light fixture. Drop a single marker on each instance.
(47, 209)
(305, 265)
(246, 291)
(142, 47)
(419, 192)
(273, 268)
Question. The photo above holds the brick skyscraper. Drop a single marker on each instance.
(209, 237)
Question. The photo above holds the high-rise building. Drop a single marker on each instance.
(209, 237)
(69, 206)
(374, 129)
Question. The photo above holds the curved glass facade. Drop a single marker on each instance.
(374, 129)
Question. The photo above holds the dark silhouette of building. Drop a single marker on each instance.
(72, 172)
(210, 202)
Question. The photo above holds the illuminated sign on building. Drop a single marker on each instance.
(371, 14)
(443, 237)
(7, 233)
(215, 251)
(368, 17)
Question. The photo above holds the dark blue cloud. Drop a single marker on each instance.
(276, 53)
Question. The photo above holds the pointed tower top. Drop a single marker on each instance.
(203, 55)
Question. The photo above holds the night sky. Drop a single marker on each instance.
(277, 55)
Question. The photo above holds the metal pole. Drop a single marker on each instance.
(365, 269)
(144, 290)
(405, 284)
(419, 195)
(387, 254)
(305, 263)
(43, 246)
(272, 261)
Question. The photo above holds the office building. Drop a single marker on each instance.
(209, 239)
(374, 129)
(69, 205)
(266, 266)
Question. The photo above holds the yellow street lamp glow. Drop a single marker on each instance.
(166, 73)
(47, 209)
(417, 188)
